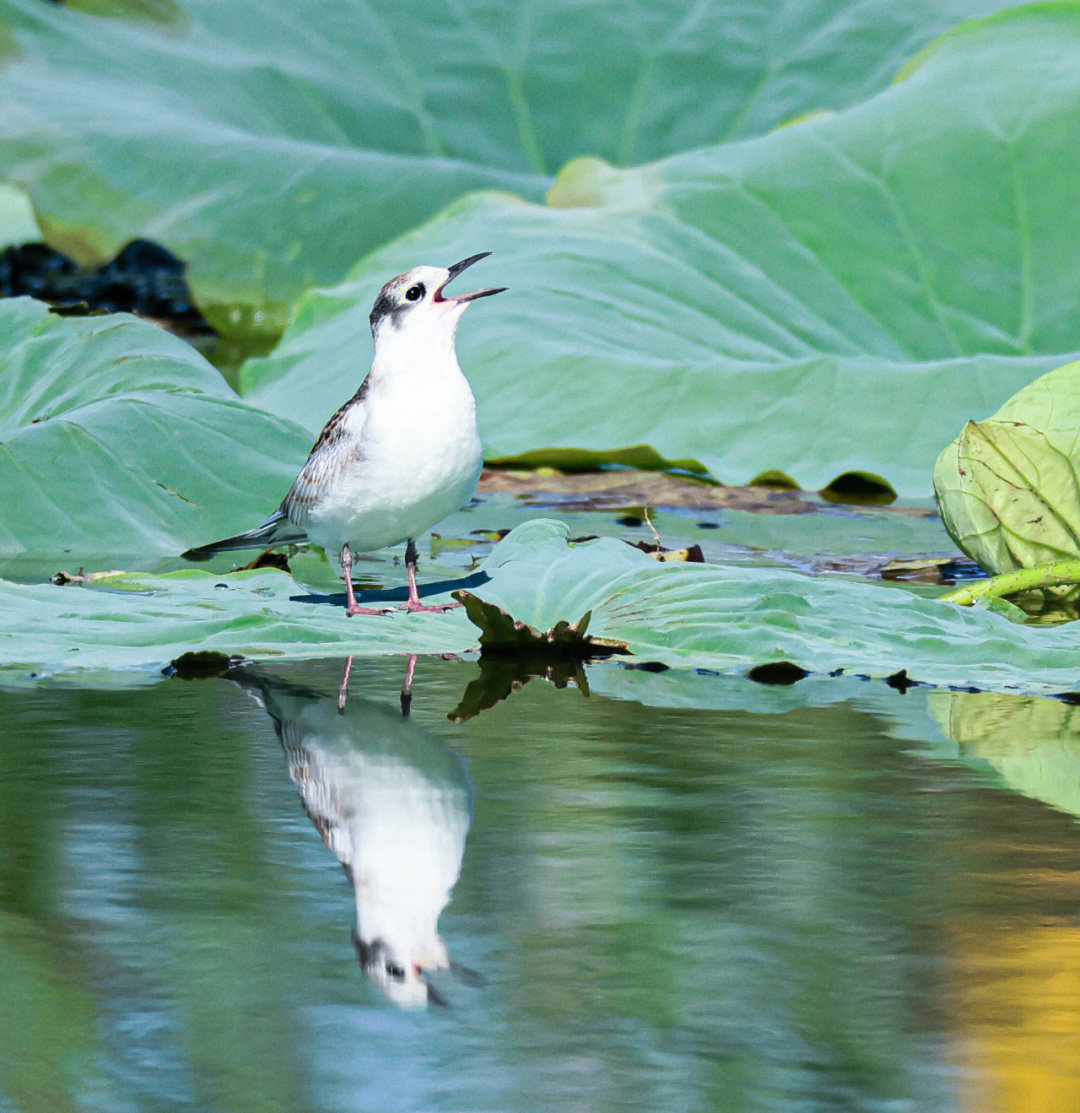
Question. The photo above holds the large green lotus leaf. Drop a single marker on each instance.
(1008, 487)
(729, 617)
(136, 622)
(117, 438)
(271, 144)
(838, 296)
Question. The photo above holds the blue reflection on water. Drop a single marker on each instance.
(750, 898)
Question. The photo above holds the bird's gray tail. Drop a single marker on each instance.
(276, 530)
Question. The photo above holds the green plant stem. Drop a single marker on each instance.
(1060, 573)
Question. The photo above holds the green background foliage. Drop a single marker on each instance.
(289, 140)
(838, 296)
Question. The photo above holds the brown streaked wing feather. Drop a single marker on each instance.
(324, 462)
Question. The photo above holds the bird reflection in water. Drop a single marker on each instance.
(393, 804)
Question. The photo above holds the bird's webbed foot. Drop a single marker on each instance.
(355, 609)
(414, 606)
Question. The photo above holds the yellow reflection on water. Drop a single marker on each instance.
(1016, 978)
(1018, 1020)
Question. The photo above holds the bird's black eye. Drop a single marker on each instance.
(414, 293)
(393, 970)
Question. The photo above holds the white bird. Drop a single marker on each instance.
(399, 455)
(393, 804)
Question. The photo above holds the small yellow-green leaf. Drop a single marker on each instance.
(1009, 487)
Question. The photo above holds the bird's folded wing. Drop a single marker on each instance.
(316, 480)
(338, 448)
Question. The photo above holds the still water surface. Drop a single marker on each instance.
(683, 893)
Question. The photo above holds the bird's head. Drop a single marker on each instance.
(403, 975)
(415, 305)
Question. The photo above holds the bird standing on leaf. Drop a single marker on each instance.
(399, 455)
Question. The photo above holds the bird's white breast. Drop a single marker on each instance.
(416, 457)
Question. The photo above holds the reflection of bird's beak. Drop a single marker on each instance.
(455, 270)
(467, 976)
(434, 996)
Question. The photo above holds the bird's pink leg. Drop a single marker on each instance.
(343, 687)
(406, 688)
(351, 605)
(414, 606)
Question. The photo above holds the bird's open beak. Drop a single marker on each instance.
(455, 270)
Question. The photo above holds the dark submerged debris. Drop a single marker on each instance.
(144, 278)
(484, 534)
(202, 664)
(931, 570)
(62, 578)
(646, 666)
(271, 558)
(777, 672)
(690, 555)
